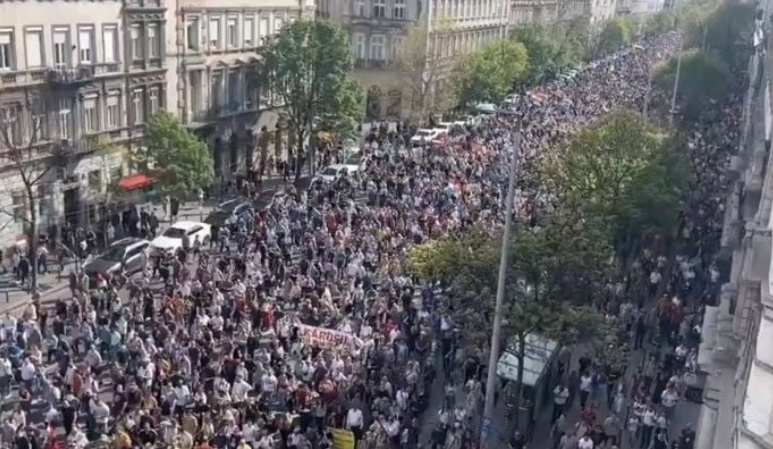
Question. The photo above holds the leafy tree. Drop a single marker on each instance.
(179, 162)
(21, 136)
(490, 74)
(423, 66)
(702, 78)
(623, 172)
(662, 22)
(726, 33)
(615, 34)
(308, 66)
(548, 52)
(347, 113)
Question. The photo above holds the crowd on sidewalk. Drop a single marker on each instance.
(304, 331)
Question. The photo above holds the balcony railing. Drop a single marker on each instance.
(362, 63)
(66, 77)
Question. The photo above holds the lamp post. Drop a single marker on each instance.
(676, 87)
(491, 379)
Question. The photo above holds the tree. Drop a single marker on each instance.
(661, 22)
(346, 114)
(178, 161)
(548, 52)
(308, 67)
(23, 132)
(624, 172)
(702, 78)
(615, 34)
(489, 75)
(423, 66)
(726, 33)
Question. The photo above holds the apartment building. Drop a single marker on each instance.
(735, 355)
(378, 31)
(73, 73)
(215, 71)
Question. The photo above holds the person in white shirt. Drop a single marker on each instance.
(354, 422)
(647, 426)
(586, 383)
(560, 396)
(668, 399)
(585, 443)
(28, 373)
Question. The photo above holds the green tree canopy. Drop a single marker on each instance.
(489, 75)
(308, 65)
(662, 22)
(622, 171)
(180, 163)
(549, 52)
(615, 34)
(726, 32)
(702, 78)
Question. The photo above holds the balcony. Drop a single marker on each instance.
(378, 20)
(71, 78)
(11, 79)
(373, 64)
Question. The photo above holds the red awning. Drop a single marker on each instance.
(135, 182)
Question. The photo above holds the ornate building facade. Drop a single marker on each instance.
(215, 74)
(76, 78)
(379, 31)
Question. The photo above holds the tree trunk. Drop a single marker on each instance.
(298, 166)
(32, 241)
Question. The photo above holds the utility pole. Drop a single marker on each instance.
(676, 87)
(647, 95)
(491, 379)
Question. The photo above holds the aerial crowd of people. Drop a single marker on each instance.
(300, 328)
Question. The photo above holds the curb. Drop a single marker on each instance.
(15, 307)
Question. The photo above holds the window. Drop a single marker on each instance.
(154, 41)
(44, 199)
(19, 206)
(396, 47)
(379, 8)
(6, 50)
(359, 8)
(63, 119)
(138, 106)
(116, 174)
(192, 33)
(234, 90)
(61, 48)
(39, 131)
(33, 41)
(399, 12)
(249, 31)
(90, 117)
(233, 32)
(153, 101)
(377, 44)
(110, 44)
(279, 23)
(10, 125)
(95, 180)
(85, 39)
(358, 45)
(113, 119)
(264, 27)
(214, 33)
(216, 90)
(136, 38)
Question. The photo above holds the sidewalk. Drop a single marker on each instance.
(14, 298)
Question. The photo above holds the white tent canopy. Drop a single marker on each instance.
(539, 353)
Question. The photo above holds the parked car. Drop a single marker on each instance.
(172, 239)
(335, 171)
(230, 212)
(129, 254)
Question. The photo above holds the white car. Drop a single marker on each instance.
(172, 239)
(335, 171)
(425, 136)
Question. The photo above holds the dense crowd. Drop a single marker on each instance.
(299, 327)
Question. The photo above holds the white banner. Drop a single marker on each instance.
(327, 338)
